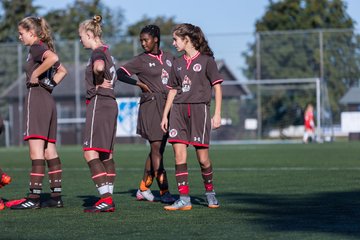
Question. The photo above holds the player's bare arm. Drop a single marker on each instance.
(50, 58)
(216, 119)
(60, 74)
(168, 104)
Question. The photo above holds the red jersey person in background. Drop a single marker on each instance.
(309, 124)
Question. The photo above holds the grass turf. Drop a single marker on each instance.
(265, 191)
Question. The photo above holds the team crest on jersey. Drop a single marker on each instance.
(168, 62)
(164, 76)
(197, 67)
(173, 133)
(186, 84)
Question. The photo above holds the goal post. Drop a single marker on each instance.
(270, 110)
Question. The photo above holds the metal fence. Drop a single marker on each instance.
(330, 55)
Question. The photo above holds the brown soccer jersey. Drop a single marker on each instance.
(35, 57)
(154, 71)
(101, 53)
(101, 112)
(194, 78)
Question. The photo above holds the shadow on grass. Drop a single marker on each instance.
(194, 200)
(89, 200)
(326, 212)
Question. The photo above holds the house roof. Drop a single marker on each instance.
(66, 88)
(351, 97)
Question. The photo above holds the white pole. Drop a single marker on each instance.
(318, 110)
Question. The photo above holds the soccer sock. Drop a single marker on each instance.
(181, 174)
(147, 181)
(207, 175)
(36, 178)
(109, 165)
(54, 172)
(162, 181)
(98, 174)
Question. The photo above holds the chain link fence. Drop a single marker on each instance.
(330, 55)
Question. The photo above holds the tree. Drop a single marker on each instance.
(295, 54)
(65, 22)
(165, 24)
(13, 12)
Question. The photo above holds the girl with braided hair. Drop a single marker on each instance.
(152, 67)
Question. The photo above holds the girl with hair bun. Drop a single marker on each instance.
(194, 75)
(43, 73)
(101, 114)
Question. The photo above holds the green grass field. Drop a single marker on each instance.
(289, 191)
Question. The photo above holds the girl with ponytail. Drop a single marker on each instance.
(193, 77)
(43, 73)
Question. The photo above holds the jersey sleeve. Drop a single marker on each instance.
(133, 66)
(173, 82)
(98, 55)
(37, 52)
(213, 73)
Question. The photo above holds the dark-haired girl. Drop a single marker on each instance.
(152, 67)
(192, 79)
(43, 73)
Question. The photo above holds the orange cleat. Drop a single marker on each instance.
(4, 180)
(2, 205)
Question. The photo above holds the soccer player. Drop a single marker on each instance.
(152, 68)
(193, 76)
(309, 124)
(43, 73)
(101, 114)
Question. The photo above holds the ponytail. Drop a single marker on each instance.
(41, 29)
(196, 36)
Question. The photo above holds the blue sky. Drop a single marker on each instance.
(228, 24)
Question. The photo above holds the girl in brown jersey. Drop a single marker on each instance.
(101, 113)
(152, 67)
(192, 79)
(43, 73)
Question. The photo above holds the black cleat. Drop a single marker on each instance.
(52, 203)
(27, 204)
(103, 205)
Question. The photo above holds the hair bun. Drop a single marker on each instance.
(97, 18)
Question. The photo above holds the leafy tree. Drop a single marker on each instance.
(65, 22)
(12, 13)
(165, 24)
(295, 54)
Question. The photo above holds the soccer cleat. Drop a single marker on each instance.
(211, 200)
(27, 204)
(145, 195)
(180, 204)
(103, 205)
(167, 198)
(14, 202)
(4, 180)
(2, 205)
(52, 203)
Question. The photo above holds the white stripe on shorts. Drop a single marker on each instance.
(202, 141)
(92, 121)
